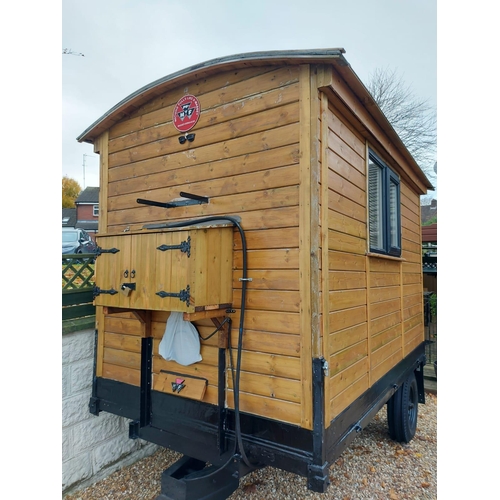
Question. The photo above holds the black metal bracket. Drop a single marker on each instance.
(97, 291)
(183, 295)
(192, 199)
(184, 247)
(94, 406)
(105, 250)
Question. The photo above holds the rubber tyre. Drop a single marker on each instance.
(402, 411)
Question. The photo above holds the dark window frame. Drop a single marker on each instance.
(391, 236)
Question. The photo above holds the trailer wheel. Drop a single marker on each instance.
(402, 411)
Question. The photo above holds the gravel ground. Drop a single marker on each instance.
(372, 467)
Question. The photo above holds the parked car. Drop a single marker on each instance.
(77, 241)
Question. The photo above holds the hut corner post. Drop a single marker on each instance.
(318, 477)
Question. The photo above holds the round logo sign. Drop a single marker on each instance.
(186, 113)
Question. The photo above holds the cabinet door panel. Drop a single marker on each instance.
(112, 270)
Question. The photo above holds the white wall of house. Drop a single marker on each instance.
(92, 447)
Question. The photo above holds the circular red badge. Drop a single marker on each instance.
(186, 113)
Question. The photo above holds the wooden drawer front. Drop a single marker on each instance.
(181, 385)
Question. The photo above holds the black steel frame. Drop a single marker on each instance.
(206, 432)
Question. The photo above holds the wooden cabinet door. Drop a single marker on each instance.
(112, 269)
(172, 283)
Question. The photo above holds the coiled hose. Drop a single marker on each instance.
(244, 280)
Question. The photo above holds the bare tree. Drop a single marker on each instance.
(413, 119)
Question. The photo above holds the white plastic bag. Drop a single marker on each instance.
(180, 341)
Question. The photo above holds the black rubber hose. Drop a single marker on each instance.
(244, 281)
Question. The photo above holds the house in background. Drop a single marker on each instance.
(85, 215)
(68, 217)
(429, 212)
(429, 257)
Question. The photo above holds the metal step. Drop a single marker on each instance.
(190, 479)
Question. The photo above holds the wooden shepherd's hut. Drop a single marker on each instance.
(266, 200)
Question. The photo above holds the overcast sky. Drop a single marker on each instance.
(129, 43)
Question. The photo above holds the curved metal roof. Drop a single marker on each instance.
(145, 93)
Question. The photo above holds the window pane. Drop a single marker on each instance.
(375, 206)
(393, 214)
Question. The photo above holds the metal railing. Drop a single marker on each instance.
(430, 325)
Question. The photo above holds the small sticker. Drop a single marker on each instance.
(186, 113)
(178, 385)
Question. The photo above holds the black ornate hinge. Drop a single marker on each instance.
(105, 250)
(183, 295)
(184, 247)
(97, 291)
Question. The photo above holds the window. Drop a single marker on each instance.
(95, 211)
(383, 208)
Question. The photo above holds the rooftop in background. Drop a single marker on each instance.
(429, 233)
(88, 195)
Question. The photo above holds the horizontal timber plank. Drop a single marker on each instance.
(411, 278)
(338, 126)
(345, 151)
(348, 396)
(378, 371)
(275, 409)
(380, 324)
(381, 294)
(412, 322)
(121, 374)
(269, 300)
(341, 381)
(275, 279)
(268, 342)
(341, 223)
(340, 320)
(386, 352)
(343, 339)
(269, 321)
(414, 343)
(384, 279)
(343, 359)
(344, 299)
(122, 342)
(340, 185)
(411, 300)
(343, 205)
(127, 359)
(202, 370)
(271, 364)
(337, 164)
(122, 325)
(346, 280)
(342, 242)
(276, 258)
(383, 308)
(384, 337)
(265, 239)
(412, 311)
(385, 266)
(344, 261)
(272, 387)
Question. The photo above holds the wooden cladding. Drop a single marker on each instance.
(291, 162)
